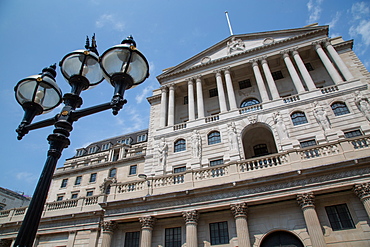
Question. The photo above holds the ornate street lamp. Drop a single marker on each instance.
(83, 69)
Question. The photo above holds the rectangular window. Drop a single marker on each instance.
(106, 146)
(132, 239)
(80, 152)
(92, 177)
(186, 100)
(213, 92)
(339, 217)
(78, 180)
(219, 233)
(179, 169)
(216, 162)
(308, 66)
(89, 193)
(277, 75)
(141, 138)
(60, 198)
(92, 149)
(245, 84)
(64, 183)
(74, 195)
(352, 133)
(308, 143)
(173, 237)
(133, 170)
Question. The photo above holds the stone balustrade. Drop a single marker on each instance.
(179, 126)
(263, 162)
(290, 99)
(329, 89)
(247, 109)
(212, 118)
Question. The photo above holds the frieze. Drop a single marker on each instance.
(257, 189)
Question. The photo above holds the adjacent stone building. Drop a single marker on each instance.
(10, 199)
(259, 140)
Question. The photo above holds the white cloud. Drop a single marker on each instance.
(334, 21)
(110, 20)
(360, 10)
(26, 176)
(314, 9)
(139, 97)
(363, 30)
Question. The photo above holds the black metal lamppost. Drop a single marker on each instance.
(122, 65)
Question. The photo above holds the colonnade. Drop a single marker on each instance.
(240, 211)
(226, 97)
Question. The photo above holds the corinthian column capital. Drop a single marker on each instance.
(108, 226)
(362, 190)
(147, 222)
(198, 77)
(306, 200)
(190, 216)
(239, 209)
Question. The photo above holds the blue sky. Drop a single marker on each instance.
(35, 34)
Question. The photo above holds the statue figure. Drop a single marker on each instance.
(235, 45)
(321, 116)
(363, 104)
(233, 137)
(162, 151)
(196, 144)
(280, 127)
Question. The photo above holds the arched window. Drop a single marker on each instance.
(112, 173)
(249, 102)
(281, 238)
(180, 145)
(298, 118)
(339, 108)
(214, 137)
(260, 150)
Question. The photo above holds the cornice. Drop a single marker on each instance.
(250, 51)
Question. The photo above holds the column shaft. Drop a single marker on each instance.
(163, 114)
(221, 92)
(108, 228)
(327, 64)
(200, 101)
(191, 221)
(191, 100)
(304, 72)
(242, 232)
(171, 106)
(107, 239)
(293, 73)
(338, 61)
(363, 192)
(146, 231)
(230, 90)
(270, 80)
(260, 83)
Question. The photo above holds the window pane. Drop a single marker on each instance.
(213, 92)
(249, 102)
(216, 162)
(132, 239)
(112, 173)
(132, 170)
(64, 183)
(308, 143)
(179, 169)
(339, 217)
(245, 84)
(180, 145)
(219, 233)
(92, 178)
(78, 180)
(173, 237)
(214, 137)
(298, 118)
(353, 133)
(339, 108)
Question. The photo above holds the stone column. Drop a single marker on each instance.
(363, 192)
(304, 72)
(327, 63)
(200, 101)
(191, 106)
(338, 61)
(94, 236)
(146, 231)
(191, 221)
(293, 73)
(108, 228)
(240, 213)
(259, 80)
(221, 92)
(171, 106)
(71, 238)
(306, 201)
(230, 90)
(270, 81)
(163, 114)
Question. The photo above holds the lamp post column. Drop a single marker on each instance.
(327, 63)
(363, 192)
(108, 228)
(306, 201)
(191, 220)
(200, 101)
(146, 231)
(163, 114)
(240, 213)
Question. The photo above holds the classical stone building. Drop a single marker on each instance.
(259, 140)
(10, 199)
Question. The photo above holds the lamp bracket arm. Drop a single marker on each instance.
(23, 129)
(77, 114)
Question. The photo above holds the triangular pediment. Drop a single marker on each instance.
(239, 44)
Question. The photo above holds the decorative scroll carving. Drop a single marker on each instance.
(190, 216)
(306, 199)
(108, 226)
(147, 222)
(362, 190)
(239, 209)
